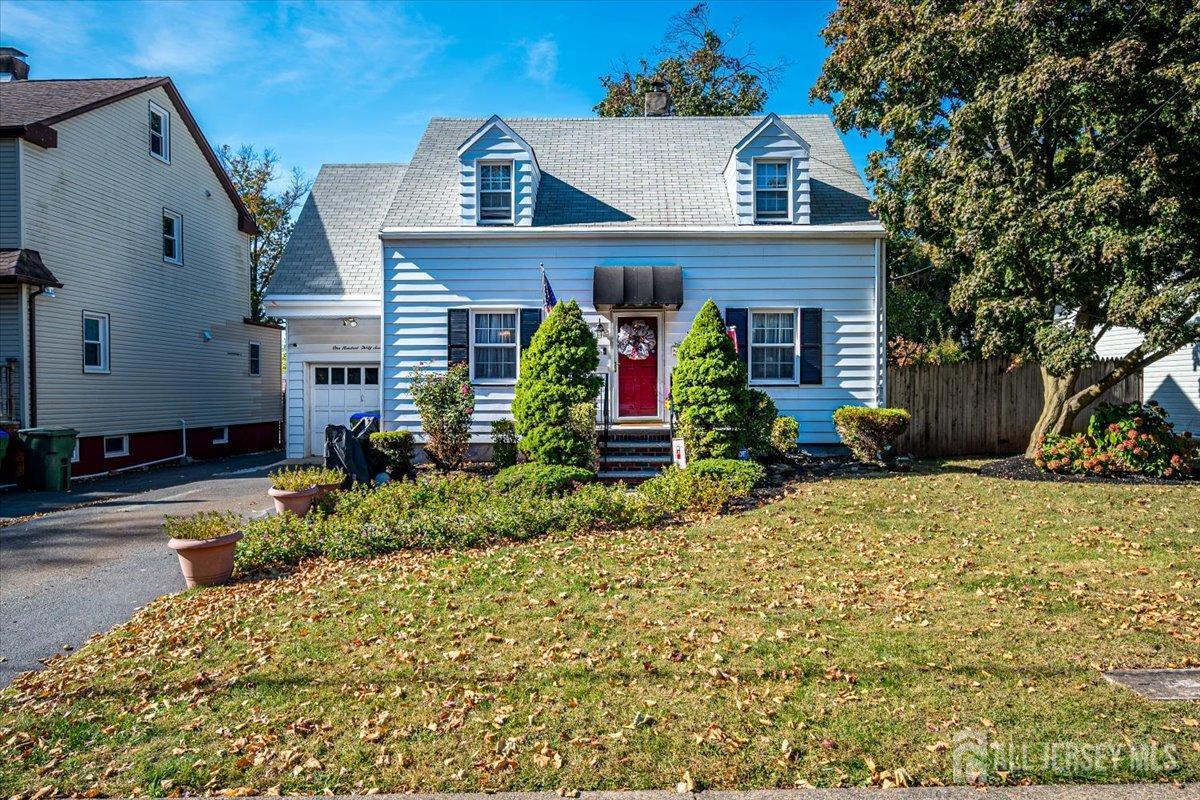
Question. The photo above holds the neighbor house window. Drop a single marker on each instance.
(495, 345)
(116, 446)
(496, 192)
(95, 342)
(255, 358)
(773, 346)
(221, 435)
(160, 133)
(172, 237)
(771, 191)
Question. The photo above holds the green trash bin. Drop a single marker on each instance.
(50, 450)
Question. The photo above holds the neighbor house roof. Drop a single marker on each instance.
(631, 172)
(31, 109)
(335, 247)
(25, 266)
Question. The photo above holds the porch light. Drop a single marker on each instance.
(349, 322)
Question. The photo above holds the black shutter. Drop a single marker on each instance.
(531, 318)
(458, 336)
(810, 345)
(739, 320)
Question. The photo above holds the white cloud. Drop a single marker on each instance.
(28, 26)
(189, 38)
(541, 59)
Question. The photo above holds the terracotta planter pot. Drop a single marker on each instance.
(325, 488)
(296, 502)
(206, 562)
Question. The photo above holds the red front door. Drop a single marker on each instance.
(637, 366)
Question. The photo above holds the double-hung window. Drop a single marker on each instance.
(172, 237)
(496, 192)
(255, 358)
(160, 133)
(95, 342)
(773, 346)
(495, 345)
(771, 191)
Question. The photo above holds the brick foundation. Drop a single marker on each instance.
(155, 445)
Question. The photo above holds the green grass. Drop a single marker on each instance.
(851, 623)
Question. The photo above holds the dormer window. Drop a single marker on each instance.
(771, 191)
(160, 133)
(496, 192)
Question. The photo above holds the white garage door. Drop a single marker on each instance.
(337, 391)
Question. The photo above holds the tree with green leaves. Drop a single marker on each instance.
(257, 178)
(558, 374)
(705, 76)
(1044, 154)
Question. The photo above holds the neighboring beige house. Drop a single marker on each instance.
(125, 276)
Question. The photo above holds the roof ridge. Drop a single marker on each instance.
(615, 119)
(84, 80)
(364, 164)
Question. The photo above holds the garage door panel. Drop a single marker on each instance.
(336, 393)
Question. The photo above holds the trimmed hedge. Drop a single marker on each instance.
(785, 431)
(870, 433)
(546, 480)
(708, 485)
(504, 443)
(395, 450)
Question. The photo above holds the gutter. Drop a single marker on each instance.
(872, 230)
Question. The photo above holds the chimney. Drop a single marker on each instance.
(658, 99)
(12, 64)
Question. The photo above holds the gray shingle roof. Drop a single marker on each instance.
(335, 246)
(640, 171)
(46, 101)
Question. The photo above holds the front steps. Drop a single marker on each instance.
(634, 453)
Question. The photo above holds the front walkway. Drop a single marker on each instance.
(67, 574)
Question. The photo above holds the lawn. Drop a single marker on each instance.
(840, 635)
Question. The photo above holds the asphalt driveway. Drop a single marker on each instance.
(73, 572)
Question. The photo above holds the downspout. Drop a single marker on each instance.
(33, 421)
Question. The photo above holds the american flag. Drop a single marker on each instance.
(548, 298)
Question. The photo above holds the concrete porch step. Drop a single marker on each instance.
(627, 475)
(648, 459)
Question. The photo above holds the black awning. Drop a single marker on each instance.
(638, 287)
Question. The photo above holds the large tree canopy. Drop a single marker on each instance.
(1045, 154)
(706, 77)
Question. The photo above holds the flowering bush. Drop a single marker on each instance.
(445, 401)
(1121, 438)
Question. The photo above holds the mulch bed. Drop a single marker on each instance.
(1020, 468)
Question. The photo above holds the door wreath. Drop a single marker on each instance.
(636, 340)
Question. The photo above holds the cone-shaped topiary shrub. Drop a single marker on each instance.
(708, 389)
(557, 372)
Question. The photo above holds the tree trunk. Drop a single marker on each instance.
(1057, 416)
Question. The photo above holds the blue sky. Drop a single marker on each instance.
(349, 81)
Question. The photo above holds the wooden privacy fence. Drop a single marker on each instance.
(980, 406)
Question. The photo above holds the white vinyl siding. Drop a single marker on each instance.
(95, 342)
(496, 192)
(771, 145)
(772, 343)
(172, 237)
(422, 279)
(1173, 381)
(92, 207)
(160, 132)
(494, 346)
(255, 358)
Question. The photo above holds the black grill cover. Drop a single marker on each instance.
(638, 287)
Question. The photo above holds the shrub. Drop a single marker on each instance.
(582, 422)
(277, 540)
(298, 479)
(445, 402)
(504, 443)
(394, 449)
(1121, 438)
(543, 480)
(870, 433)
(557, 374)
(784, 433)
(203, 525)
(707, 485)
(760, 417)
(708, 388)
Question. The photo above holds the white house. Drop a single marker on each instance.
(639, 219)
(125, 276)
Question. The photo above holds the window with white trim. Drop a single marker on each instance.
(773, 346)
(95, 342)
(116, 446)
(771, 191)
(160, 133)
(255, 358)
(221, 435)
(172, 237)
(496, 191)
(494, 345)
